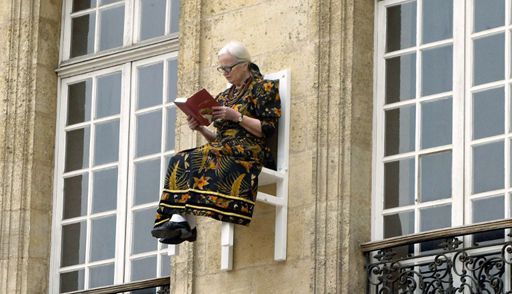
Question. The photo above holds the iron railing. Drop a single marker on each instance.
(156, 286)
(469, 259)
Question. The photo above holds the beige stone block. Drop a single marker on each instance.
(40, 234)
(289, 277)
(211, 8)
(302, 125)
(36, 279)
(46, 95)
(48, 42)
(300, 179)
(42, 186)
(51, 9)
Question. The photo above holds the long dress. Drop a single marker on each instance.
(220, 179)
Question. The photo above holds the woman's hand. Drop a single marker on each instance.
(225, 113)
(193, 123)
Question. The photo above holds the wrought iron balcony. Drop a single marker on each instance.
(151, 286)
(469, 259)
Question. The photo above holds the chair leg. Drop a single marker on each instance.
(226, 242)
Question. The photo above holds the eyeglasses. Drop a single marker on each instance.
(229, 68)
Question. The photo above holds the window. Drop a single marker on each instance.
(442, 115)
(95, 26)
(115, 135)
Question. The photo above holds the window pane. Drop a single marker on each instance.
(82, 34)
(77, 149)
(175, 16)
(143, 269)
(72, 281)
(436, 176)
(488, 113)
(488, 167)
(142, 225)
(165, 269)
(400, 130)
(437, 70)
(401, 26)
(79, 102)
(147, 181)
(83, 4)
(172, 80)
(400, 78)
(436, 218)
(111, 27)
(399, 183)
(171, 126)
(149, 133)
(489, 59)
(488, 209)
(104, 195)
(489, 14)
(108, 97)
(75, 196)
(101, 276)
(437, 20)
(73, 244)
(103, 238)
(152, 19)
(105, 2)
(150, 85)
(106, 144)
(399, 224)
(436, 123)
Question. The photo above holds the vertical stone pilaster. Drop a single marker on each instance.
(29, 34)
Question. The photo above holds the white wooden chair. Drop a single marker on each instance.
(268, 176)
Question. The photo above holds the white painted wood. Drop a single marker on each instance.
(226, 243)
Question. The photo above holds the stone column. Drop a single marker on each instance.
(29, 42)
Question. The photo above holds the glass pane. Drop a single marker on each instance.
(72, 281)
(175, 16)
(399, 183)
(485, 210)
(489, 59)
(436, 123)
(436, 71)
(488, 113)
(150, 85)
(103, 238)
(400, 78)
(147, 181)
(105, 2)
(171, 126)
(73, 244)
(77, 149)
(142, 224)
(489, 14)
(79, 102)
(436, 176)
(101, 276)
(83, 4)
(82, 34)
(152, 19)
(104, 192)
(149, 133)
(401, 26)
(436, 218)
(106, 143)
(75, 196)
(400, 130)
(108, 97)
(488, 167)
(399, 224)
(172, 80)
(437, 20)
(143, 269)
(111, 27)
(165, 269)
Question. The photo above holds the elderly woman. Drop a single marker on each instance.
(220, 179)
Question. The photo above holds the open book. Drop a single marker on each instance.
(198, 106)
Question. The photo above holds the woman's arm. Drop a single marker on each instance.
(252, 125)
(194, 125)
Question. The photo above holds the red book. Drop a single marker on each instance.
(198, 106)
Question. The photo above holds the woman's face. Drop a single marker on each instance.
(235, 71)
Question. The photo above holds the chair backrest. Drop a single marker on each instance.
(280, 141)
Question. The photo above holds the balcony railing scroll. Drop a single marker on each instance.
(470, 259)
(151, 286)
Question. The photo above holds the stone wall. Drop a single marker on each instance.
(29, 39)
(328, 47)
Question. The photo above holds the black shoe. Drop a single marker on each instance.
(170, 230)
(190, 236)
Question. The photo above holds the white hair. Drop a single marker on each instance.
(236, 49)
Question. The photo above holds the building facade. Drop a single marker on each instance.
(399, 124)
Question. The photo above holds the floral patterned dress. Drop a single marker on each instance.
(220, 179)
